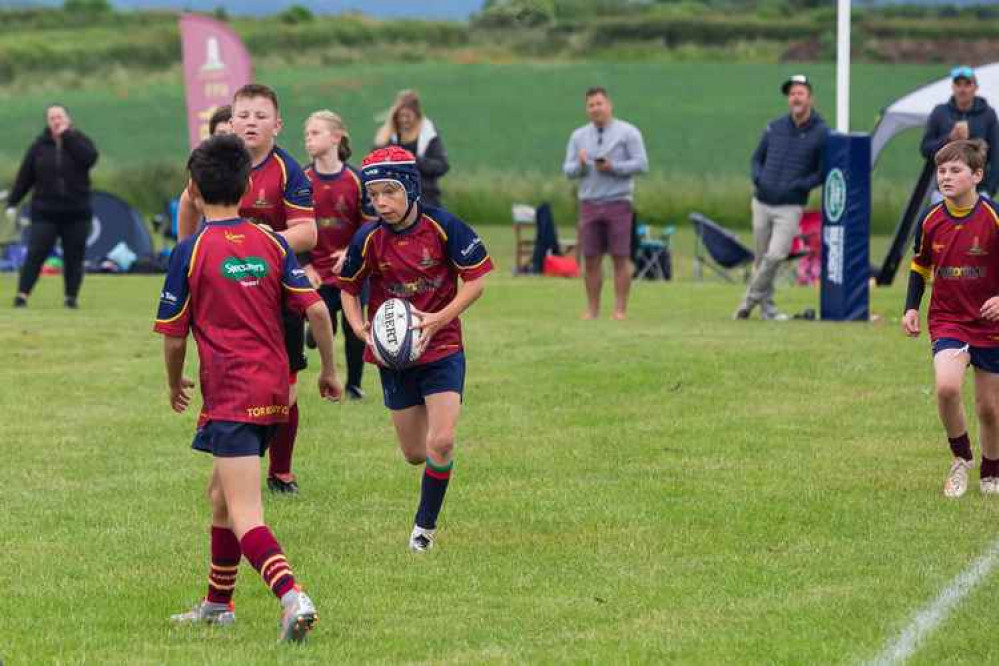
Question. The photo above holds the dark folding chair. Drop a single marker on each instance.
(724, 251)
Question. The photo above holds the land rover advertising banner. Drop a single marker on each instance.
(846, 223)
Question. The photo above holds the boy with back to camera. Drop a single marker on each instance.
(228, 284)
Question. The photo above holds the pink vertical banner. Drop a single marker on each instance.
(216, 64)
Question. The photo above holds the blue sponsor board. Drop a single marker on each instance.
(846, 224)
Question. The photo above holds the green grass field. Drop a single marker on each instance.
(678, 488)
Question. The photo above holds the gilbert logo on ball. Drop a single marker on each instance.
(835, 195)
(395, 339)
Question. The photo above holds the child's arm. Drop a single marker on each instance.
(913, 297)
(322, 330)
(174, 351)
(355, 317)
(921, 267)
(431, 322)
(188, 216)
(301, 234)
(469, 256)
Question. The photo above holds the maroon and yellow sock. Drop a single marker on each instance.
(226, 554)
(283, 444)
(265, 554)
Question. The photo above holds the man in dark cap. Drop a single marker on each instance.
(787, 165)
(965, 116)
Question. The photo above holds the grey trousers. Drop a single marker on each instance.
(774, 229)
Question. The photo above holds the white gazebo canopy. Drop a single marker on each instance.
(914, 109)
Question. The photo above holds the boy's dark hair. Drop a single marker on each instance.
(257, 90)
(596, 90)
(220, 167)
(970, 151)
(223, 114)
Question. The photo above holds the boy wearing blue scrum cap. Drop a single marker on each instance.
(435, 261)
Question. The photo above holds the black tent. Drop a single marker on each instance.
(114, 222)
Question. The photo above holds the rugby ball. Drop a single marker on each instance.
(395, 339)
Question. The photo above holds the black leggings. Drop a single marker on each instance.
(42, 238)
(354, 346)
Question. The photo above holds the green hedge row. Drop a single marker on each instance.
(938, 29)
(483, 197)
(707, 30)
(81, 50)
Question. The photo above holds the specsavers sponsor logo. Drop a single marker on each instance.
(250, 269)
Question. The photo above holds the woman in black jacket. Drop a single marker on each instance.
(406, 126)
(57, 166)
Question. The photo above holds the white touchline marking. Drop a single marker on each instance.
(930, 617)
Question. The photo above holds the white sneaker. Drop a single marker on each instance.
(989, 485)
(208, 613)
(298, 619)
(957, 479)
(421, 540)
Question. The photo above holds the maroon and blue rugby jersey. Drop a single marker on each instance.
(959, 251)
(228, 284)
(421, 265)
(279, 191)
(339, 201)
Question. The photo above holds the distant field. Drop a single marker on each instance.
(505, 127)
(698, 119)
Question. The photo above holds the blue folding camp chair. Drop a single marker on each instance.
(724, 251)
(650, 254)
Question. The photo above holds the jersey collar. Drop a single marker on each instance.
(329, 177)
(960, 214)
(231, 222)
(266, 159)
(410, 228)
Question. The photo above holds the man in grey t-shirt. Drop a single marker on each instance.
(605, 154)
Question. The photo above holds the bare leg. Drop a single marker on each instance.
(987, 407)
(949, 366)
(411, 430)
(443, 410)
(622, 285)
(594, 283)
(220, 514)
(240, 481)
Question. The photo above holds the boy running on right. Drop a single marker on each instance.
(957, 245)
